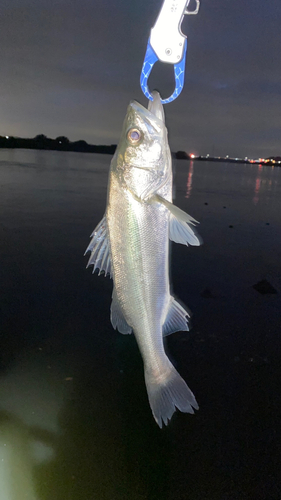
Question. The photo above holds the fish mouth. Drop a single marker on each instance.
(156, 107)
(154, 111)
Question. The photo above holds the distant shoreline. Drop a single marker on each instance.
(62, 143)
(59, 144)
(271, 161)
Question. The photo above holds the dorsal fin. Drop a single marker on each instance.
(100, 249)
(117, 317)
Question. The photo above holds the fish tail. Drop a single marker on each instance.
(168, 392)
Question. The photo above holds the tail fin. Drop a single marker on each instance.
(167, 394)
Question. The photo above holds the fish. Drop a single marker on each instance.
(132, 244)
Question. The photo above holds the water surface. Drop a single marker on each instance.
(74, 417)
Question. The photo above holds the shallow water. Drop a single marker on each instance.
(74, 417)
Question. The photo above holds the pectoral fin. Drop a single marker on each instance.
(181, 232)
(100, 250)
(176, 319)
(180, 221)
(116, 316)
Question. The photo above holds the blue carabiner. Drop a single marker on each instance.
(167, 43)
(148, 63)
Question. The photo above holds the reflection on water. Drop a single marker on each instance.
(258, 185)
(30, 402)
(16, 478)
(266, 180)
(75, 423)
(189, 180)
(259, 177)
(21, 449)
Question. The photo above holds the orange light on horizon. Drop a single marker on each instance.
(192, 156)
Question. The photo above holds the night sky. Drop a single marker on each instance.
(70, 67)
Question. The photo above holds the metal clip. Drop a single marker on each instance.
(167, 44)
(196, 10)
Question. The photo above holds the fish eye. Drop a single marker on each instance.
(134, 136)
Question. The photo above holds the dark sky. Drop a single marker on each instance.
(70, 67)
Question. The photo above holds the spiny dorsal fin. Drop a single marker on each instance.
(100, 250)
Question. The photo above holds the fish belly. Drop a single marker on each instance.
(139, 243)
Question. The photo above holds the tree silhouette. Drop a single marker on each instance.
(62, 139)
(40, 138)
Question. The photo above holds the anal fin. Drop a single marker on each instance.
(176, 319)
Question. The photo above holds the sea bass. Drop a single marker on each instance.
(131, 243)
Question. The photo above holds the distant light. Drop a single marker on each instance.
(60, 142)
(192, 156)
(7, 137)
(207, 155)
(227, 156)
(246, 157)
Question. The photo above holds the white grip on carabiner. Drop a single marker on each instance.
(166, 37)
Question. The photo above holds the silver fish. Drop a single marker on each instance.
(131, 243)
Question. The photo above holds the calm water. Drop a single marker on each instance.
(75, 423)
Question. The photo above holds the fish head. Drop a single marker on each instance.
(143, 158)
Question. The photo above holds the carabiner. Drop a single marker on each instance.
(167, 44)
